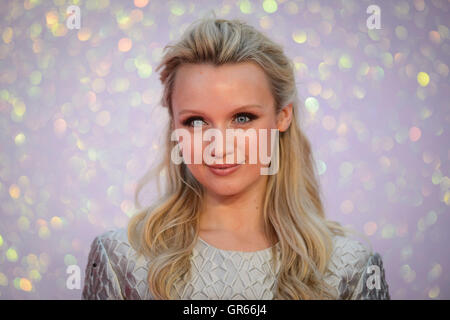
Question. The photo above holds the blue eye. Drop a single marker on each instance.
(197, 123)
(193, 122)
(243, 118)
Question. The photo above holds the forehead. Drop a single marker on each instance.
(200, 85)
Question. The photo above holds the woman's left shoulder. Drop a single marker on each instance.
(356, 271)
(350, 252)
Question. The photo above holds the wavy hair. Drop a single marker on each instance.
(167, 231)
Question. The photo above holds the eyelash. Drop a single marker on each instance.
(251, 117)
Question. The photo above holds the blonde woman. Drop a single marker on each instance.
(225, 230)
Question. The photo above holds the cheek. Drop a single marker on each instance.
(192, 149)
(198, 171)
(257, 147)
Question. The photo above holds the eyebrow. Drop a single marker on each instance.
(234, 110)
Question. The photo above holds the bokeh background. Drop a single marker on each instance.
(80, 123)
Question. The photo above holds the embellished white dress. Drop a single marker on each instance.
(115, 271)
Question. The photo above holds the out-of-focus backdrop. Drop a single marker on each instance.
(80, 123)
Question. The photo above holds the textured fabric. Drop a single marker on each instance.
(222, 274)
(115, 271)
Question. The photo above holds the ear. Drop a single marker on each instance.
(284, 118)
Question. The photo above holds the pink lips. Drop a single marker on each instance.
(223, 169)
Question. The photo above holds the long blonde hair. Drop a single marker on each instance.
(167, 231)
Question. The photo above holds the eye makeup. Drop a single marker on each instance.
(189, 122)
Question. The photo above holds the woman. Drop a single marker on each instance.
(226, 231)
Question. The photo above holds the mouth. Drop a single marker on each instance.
(223, 169)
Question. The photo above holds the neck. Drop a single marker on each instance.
(240, 213)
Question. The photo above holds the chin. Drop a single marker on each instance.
(224, 191)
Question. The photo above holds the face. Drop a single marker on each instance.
(230, 96)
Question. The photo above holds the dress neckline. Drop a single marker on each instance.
(238, 251)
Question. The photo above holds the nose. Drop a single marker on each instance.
(223, 147)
